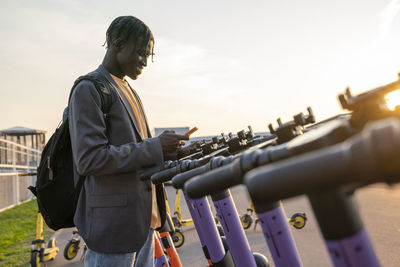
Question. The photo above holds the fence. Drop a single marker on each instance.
(16, 159)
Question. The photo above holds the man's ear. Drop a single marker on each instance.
(118, 44)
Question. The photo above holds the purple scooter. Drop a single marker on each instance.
(234, 145)
(209, 236)
(271, 217)
(273, 222)
(369, 157)
(227, 214)
(213, 247)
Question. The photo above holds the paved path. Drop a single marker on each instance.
(379, 207)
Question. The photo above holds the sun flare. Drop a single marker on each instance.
(393, 99)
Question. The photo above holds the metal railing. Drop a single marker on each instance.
(16, 159)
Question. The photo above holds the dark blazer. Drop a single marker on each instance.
(114, 208)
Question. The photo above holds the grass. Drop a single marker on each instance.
(17, 230)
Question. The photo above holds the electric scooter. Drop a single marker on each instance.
(177, 218)
(40, 253)
(160, 260)
(369, 157)
(366, 107)
(72, 247)
(282, 247)
(211, 242)
(297, 220)
(226, 212)
(216, 255)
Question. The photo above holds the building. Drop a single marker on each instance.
(25, 147)
(25, 136)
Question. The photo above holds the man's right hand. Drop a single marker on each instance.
(170, 141)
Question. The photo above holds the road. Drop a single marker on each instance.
(379, 207)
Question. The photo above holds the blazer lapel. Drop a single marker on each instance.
(144, 113)
(124, 100)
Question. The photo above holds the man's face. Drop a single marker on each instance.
(132, 57)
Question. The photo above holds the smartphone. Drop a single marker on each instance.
(188, 133)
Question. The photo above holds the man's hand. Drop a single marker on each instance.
(170, 141)
(187, 150)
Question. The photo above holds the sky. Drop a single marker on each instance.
(219, 65)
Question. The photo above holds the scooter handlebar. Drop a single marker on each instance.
(179, 180)
(215, 181)
(148, 172)
(370, 156)
(182, 166)
(163, 176)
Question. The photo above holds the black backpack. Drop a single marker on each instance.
(56, 193)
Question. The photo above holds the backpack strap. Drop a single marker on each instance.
(100, 83)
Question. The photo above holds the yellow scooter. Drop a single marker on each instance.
(177, 218)
(177, 236)
(297, 220)
(40, 253)
(72, 247)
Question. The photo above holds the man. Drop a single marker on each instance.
(116, 212)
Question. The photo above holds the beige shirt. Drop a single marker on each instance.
(139, 114)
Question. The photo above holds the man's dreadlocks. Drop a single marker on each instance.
(126, 26)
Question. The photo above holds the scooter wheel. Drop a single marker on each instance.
(298, 220)
(246, 221)
(178, 238)
(71, 249)
(35, 259)
(261, 260)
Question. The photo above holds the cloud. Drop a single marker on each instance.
(191, 70)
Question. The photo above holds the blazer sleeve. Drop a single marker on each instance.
(92, 153)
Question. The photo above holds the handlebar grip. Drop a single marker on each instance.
(148, 172)
(179, 180)
(215, 181)
(163, 176)
(371, 156)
